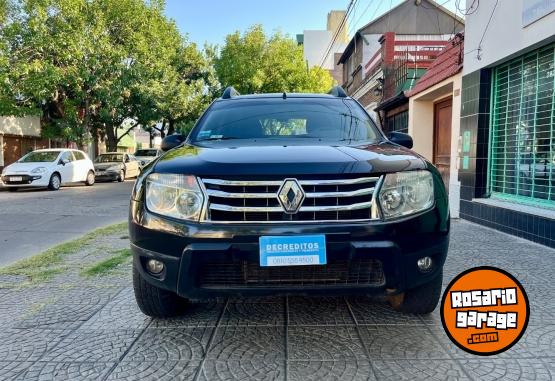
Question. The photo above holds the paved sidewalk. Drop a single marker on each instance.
(74, 327)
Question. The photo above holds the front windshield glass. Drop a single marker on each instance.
(108, 158)
(40, 157)
(146, 152)
(292, 120)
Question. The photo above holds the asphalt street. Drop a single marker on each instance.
(31, 221)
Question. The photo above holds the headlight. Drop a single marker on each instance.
(172, 195)
(405, 193)
(39, 170)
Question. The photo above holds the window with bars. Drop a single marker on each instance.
(398, 122)
(522, 134)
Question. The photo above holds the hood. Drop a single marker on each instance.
(106, 165)
(22, 168)
(288, 160)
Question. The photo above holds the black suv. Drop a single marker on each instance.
(277, 194)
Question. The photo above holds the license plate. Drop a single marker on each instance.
(299, 250)
(16, 179)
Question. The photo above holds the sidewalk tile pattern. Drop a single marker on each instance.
(72, 328)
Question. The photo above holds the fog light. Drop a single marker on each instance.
(425, 264)
(154, 267)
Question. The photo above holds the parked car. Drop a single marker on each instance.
(116, 166)
(145, 156)
(277, 194)
(49, 168)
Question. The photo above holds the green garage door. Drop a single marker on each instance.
(522, 136)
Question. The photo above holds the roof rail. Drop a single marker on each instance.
(230, 92)
(337, 91)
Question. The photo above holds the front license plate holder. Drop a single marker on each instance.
(296, 250)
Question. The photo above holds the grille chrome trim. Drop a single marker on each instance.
(360, 192)
(279, 209)
(336, 200)
(242, 183)
(217, 193)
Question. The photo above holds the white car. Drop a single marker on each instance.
(49, 168)
(146, 155)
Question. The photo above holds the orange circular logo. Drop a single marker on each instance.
(485, 310)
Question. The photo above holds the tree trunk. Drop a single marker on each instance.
(162, 129)
(171, 127)
(111, 139)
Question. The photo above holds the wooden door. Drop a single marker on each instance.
(442, 138)
(12, 149)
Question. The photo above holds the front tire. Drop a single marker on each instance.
(55, 182)
(420, 300)
(154, 301)
(121, 176)
(90, 179)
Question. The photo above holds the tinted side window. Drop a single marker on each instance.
(67, 156)
(78, 155)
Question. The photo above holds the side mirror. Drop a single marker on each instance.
(401, 138)
(63, 161)
(171, 141)
(127, 160)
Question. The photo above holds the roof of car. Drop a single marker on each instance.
(55, 149)
(280, 95)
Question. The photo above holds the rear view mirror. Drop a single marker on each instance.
(401, 138)
(172, 141)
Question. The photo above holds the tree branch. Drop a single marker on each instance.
(118, 139)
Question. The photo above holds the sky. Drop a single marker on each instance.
(211, 20)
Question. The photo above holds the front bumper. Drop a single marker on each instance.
(32, 180)
(188, 249)
(106, 176)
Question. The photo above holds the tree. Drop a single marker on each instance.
(254, 63)
(88, 66)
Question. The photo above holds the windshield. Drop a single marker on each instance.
(146, 152)
(108, 158)
(277, 120)
(40, 157)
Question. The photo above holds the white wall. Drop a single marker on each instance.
(505, 35)
(24, 126)
(316, 44)
(421, 128)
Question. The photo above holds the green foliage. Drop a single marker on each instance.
(89, 65)
(109, 264)
(44, 266)
(255, 63)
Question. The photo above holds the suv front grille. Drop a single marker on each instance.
(367, 272)
(349, 199)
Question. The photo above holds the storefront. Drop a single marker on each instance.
(507, 128)
(522, 154)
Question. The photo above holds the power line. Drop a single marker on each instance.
(353, 26)
(330, 46)
(479, 55)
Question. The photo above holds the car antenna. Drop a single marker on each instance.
(284, 95)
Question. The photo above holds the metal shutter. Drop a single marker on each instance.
(522, 149)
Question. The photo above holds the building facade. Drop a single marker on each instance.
(507, 131)
(19, 136)
(434, 116)
(318, 48)
(389, 54)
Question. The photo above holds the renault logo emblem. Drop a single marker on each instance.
(290, 196)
